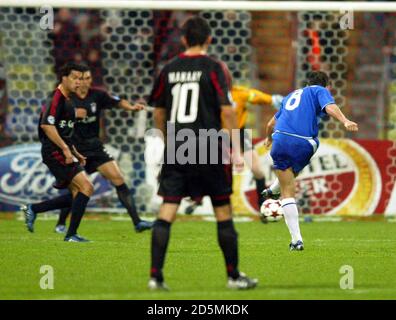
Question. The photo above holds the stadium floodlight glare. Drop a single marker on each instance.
(209, 5)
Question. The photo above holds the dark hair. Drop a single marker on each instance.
(317, 78)
(196, 30)
(72, 66)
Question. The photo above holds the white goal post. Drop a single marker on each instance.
(209, 5)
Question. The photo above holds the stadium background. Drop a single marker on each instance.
(271, 51)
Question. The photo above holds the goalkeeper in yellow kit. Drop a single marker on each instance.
(242, 96)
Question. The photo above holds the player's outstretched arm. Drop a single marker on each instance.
(334, 111)
(53, 135)
(126, 105)
(258, 97)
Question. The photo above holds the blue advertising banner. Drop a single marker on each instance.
(25, 179)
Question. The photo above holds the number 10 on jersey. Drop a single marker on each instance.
(180, 94)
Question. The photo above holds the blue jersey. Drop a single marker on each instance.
(301, 110)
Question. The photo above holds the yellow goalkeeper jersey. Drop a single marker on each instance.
(244, 95)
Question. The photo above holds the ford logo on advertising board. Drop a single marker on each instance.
(25, 179)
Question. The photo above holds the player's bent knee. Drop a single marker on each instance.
(87, 188)
(73, 191)
(117, 180)
(168, 212)
(223, 213)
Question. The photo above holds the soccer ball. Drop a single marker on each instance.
(271, 211)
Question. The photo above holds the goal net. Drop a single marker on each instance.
(267, 48)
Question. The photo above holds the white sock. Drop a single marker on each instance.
(275, 187)
(290, 212)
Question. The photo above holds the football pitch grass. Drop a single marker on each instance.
(116, 264)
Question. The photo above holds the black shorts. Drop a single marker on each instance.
(63, 173)
(245, 140)
(195, 181)
(95, 158)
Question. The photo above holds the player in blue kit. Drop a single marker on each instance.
(293, 132)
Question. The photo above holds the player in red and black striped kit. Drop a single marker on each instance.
(91, 103)
(60, 155)
(192, 95)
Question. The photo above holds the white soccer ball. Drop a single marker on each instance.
(271, 211)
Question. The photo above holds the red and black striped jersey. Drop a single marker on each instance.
(192, 89)
(58, 111)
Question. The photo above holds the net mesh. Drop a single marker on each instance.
(29, 70)
(321, 45)
(126, 48)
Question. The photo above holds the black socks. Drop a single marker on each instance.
(78, 208)
(159, 244)
(125, 197)
(260, 186)
(64, 201)
(227, 237)
(63, 216)
(228, 241)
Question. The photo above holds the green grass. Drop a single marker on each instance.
(116, 264)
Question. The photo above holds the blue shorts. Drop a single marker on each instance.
(292, 152)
